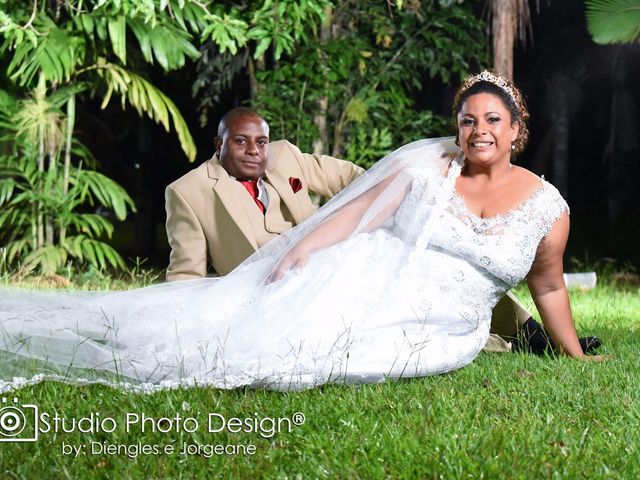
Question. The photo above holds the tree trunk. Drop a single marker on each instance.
(253, 83)
(253, 67)
(337, 134)
(321, 144)
(503, 26)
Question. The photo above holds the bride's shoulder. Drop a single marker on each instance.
(523, 180)
(525, 177)
(527, 180)
(540, 192)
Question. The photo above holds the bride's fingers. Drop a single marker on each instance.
(283, 267)
(275, 275)
(287, 263)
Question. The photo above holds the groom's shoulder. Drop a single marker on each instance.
(283, 148)
(201, 174)
(284, 157)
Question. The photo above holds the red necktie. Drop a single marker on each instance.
(252, 188)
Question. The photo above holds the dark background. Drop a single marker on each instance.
(579, 93)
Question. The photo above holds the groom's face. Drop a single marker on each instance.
(243, 147)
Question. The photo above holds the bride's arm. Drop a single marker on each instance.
(549, 292)
(340, 226)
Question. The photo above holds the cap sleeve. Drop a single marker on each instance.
(551, 207)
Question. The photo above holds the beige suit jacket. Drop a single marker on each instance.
(212, 218)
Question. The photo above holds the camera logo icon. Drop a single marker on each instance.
(18, 423)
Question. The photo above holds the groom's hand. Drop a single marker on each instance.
(296, 258)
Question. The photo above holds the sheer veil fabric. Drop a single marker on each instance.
(403, 295)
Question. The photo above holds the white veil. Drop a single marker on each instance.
(177, 333)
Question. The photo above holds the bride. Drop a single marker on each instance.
(394, 277)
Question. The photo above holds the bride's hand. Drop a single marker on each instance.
(296, 258)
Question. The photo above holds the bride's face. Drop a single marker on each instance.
(485, 129)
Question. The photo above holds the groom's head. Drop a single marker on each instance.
(242, 143)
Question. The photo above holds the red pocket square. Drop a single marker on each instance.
(295, 183)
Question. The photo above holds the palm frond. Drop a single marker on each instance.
(91, 224)
(166, 43)
(49, 259)
(8, 107)
(117, 28)
(6, 189)
(16, 248)
(146, 99)
(108, 192)
(13, 221)
(614, 21)
(55, 55)
(95, 252)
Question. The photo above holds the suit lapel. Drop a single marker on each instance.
(225, 189)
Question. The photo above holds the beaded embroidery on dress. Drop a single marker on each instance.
(411, 297)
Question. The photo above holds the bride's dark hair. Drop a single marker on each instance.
(505, 90)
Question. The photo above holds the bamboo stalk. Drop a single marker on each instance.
(71, 118)
(40, 217)
(40, 92)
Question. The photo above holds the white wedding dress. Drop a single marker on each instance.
(412, 297)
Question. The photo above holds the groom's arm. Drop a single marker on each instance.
(326, 175)
(188, 258)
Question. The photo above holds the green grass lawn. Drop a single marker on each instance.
(504, 416)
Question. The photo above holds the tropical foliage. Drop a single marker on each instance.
(40, 195)
(348, 86)
(59, 52)
(614, 21)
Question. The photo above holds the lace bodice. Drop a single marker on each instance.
(504, 245)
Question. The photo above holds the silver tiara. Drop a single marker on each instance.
(497, 80)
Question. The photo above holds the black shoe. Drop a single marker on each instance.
(533, 339)
(589, 344)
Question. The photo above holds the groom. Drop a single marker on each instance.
(251, 191)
